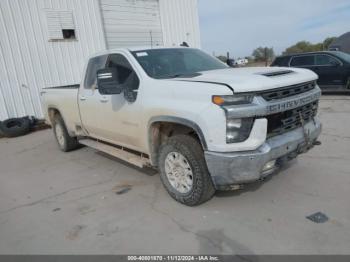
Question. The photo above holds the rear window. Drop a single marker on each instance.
(281, 61)
(307, 60)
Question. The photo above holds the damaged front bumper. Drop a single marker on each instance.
(230, 169)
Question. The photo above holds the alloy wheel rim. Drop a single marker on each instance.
(59, 134)
(179, 172)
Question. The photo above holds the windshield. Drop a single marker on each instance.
(343, 56)
(176, 62)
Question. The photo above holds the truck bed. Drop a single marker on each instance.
(64, 99)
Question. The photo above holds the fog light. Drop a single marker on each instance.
(269, 165)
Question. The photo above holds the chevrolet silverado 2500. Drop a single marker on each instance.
(203, 125)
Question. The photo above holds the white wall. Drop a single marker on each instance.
(180, 22)
(131, 23)
(29, 61)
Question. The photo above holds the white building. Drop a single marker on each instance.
(46, 42)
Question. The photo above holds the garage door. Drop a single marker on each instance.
(131, 23)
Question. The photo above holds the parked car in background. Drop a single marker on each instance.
(242, 61)
(332, 67)
(237, 63)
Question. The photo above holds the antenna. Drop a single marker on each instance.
(150, 33)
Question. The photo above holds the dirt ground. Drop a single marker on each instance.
(86, 203)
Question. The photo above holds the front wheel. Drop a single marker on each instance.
(183, 171)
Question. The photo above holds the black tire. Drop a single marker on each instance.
(202, 189)
(66, 143)
(15, 127)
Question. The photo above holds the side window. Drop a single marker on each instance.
(94, 65)
(307, 60)
(126, 73)
(325, 60)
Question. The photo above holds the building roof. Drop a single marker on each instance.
(342, 43)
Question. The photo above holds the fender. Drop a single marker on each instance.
(176, 120)
(182, 121)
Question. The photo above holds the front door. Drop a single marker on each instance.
(119, 115)
(89, 98)
(329, 70)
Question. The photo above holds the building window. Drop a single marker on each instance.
(68, 33)
(60, 25)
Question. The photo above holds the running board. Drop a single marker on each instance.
(134, 159)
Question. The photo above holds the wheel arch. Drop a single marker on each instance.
(52, 112)
(162, 127)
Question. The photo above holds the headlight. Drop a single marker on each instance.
(232, 100)
(238, 130)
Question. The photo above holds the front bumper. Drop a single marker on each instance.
(236, 168)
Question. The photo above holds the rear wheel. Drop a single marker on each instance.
(184, 172)
(65, 142)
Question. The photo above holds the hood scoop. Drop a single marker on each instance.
(276, 73)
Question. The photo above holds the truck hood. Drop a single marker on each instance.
(254, 79)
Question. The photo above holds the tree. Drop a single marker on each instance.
(263, 54)
(328, 41)
(304, 46)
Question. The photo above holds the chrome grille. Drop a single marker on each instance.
(286, 121)
(287, 91)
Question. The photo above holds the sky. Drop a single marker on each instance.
(240, 26)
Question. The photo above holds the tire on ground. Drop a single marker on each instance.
(68, 143)
(203, 188)
(15, 127)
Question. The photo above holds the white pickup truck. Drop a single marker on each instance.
(205, 126)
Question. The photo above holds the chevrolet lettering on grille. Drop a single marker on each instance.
(283, 106)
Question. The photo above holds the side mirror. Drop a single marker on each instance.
(335, 63)
(107, 82)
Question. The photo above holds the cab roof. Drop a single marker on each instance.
(134, 49)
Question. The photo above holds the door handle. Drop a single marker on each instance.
(82, 98)
(103, 99)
